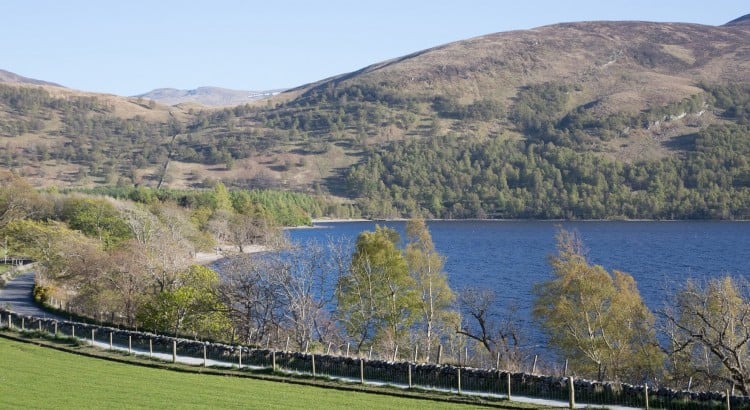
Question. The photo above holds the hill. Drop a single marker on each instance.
(568, 101)
(12, 78)
(207, 96)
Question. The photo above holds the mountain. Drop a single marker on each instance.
(207, 96)
(11, 78)
(741, 21)
(579, 120)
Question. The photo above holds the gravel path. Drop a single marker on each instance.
(16, 296)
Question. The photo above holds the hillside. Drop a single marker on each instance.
(612, 67)
(629, 96)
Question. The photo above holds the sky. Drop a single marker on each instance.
(129, 47)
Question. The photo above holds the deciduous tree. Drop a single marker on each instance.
(376, 299)
(493, 326)
(438, 317)
(193, 306)
(17, 198)
(708, 326)
(597, 320)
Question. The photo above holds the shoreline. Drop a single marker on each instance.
(335, 220)
(222, 251)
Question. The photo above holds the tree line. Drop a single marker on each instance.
(453, 177)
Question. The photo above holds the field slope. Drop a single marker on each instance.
(36, 377)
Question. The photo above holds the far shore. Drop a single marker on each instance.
(204, 258)
(335, 220)
(324, 220)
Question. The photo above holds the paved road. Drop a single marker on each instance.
(16, 295)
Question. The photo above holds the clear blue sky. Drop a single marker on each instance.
(128, 47)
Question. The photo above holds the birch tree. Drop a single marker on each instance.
(438, 317)
(376, 298)
(708, 325)
(597, 320)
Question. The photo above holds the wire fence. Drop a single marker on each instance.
(338, 364)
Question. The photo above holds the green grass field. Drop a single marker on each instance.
(37, 377)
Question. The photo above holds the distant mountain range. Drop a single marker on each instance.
(208, 96)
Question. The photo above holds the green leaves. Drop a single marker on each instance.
(438, 318)
(390, 298)
(376, 298)
(97, 218)
(193, 307)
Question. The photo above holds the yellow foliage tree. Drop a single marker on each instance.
(595, 319)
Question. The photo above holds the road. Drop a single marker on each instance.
(17, 296)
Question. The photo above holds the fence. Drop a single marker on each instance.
(461, 380)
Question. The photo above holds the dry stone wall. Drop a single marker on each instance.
(490, 381)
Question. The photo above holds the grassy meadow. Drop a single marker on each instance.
(37, 377)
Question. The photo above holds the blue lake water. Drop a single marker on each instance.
(511, 256)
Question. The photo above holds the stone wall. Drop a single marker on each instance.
(396, 373)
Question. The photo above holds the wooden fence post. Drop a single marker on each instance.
(729, 401)
(362, 370)
(110, 341)
(205, 359)
(73, 329)
(150, 347)
(23, 323)
(508, 386)
(92, 337)
(410, 385)
(40, 325)
(273, 359)
(130, 344)
(572, 389)
(10, 321)
(174, 351)
(313, 364)
(645, 394)
(459, 380)
(55, 328)
(240, 357)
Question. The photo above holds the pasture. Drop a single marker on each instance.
(37, 377)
